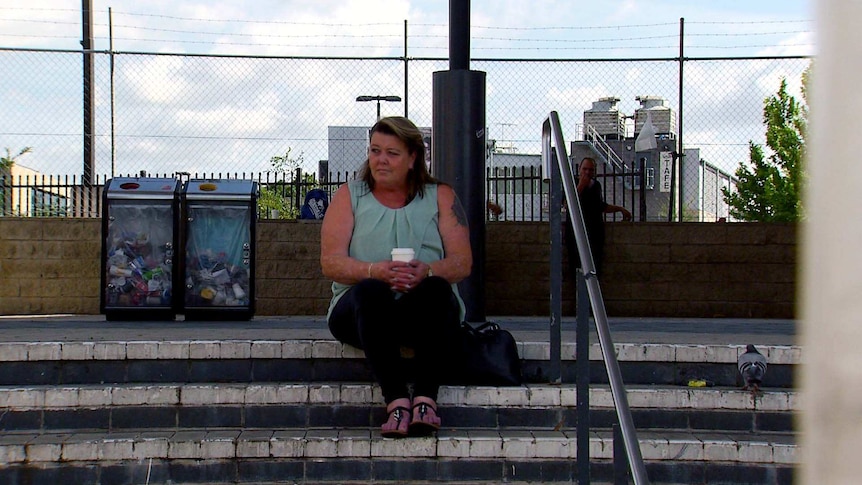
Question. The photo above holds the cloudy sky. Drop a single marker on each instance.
(510, 28)
(218, 113)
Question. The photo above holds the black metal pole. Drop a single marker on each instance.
(459, 34)
(582, 378)
(642, 176)
(458, 146)
(406, 78)
(89, 91)
(458, 158)
(679, 150)
(113, 94)
(672, 196)
(556, 263)
(621, 460)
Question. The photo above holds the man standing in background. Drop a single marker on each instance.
(593, 207)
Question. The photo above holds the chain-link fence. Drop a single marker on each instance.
(186, 114)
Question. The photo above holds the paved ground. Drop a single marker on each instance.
(714, 331)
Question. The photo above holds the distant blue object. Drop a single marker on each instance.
(316, 203)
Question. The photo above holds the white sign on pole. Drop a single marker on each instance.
(665, 171)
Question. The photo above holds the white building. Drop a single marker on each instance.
(348, 149)
(24, 192)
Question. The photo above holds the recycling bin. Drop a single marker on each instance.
(218, 232)
(140, 234)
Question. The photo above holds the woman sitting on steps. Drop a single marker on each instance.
(380, 305)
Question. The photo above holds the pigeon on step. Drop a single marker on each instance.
(752, 366)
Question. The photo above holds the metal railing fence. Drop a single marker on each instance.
(521, 192)
(280, 194)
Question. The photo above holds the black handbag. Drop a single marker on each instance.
(489, 356)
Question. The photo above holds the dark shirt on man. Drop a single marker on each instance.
(593, 207)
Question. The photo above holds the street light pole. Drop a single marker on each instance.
(394, 99)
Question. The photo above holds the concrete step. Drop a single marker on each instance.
(525, 396)
(88, 401)
(120, 407)
(329, 348)
(360, 454)
(325, 359)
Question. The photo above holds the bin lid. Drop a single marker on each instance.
(142, 188)
(227, 189)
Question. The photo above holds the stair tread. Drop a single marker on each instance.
(321, 347)
(367, 394)
(366, 442)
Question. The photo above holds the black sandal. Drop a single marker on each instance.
(420, 426)
(401, 415)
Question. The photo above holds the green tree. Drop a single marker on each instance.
(9, 160)
(769, 187)
(279, 195)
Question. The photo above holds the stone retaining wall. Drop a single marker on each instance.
(50, 266)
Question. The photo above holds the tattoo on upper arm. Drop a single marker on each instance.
(458, 210)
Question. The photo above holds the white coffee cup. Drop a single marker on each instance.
(403, 254)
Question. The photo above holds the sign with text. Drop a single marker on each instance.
(665, 171)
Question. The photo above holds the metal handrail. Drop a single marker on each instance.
(551, 132)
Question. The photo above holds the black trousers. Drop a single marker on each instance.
(596, 236)
(427, 319)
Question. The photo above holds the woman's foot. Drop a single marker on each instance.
(425, 418)
(397, 423)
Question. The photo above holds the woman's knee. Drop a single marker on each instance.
(438, 287)
(370, 289)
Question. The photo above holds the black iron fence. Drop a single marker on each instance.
(516, 193)
(521, 193)
(281, 194)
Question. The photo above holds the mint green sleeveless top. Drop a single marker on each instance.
(377, 229)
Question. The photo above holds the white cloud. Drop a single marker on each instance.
(799, 44)
(240, 121)
(157, 80)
